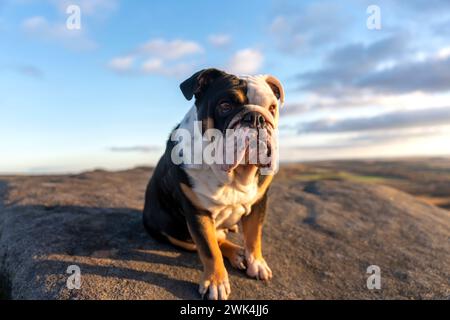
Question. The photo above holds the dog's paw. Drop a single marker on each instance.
(215, 286)
(237, 259)
(258, 268)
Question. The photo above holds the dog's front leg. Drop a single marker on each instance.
(252, 229)
(214, 281)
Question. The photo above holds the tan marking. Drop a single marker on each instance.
(252, 228)
(214, 269)
(240, 95)
(252, 235)
(208, 124)
(263, 187)
(182, 244)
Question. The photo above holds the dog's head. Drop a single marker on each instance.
(228, 102)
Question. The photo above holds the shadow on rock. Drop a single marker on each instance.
(107, 242)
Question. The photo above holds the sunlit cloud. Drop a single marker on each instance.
(169, 49)
(158, 57)
(366, 139)
(246, 61)
(391, 120)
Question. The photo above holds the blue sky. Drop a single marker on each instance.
(106, 96)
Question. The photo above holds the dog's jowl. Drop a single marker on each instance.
(195, 202)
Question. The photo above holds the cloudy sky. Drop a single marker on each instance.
(106, 96)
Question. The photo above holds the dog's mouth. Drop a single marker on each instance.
(248, 143)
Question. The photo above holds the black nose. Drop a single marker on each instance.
(254, 119)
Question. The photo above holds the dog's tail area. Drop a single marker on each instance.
(153, 223)
(189, 246)
(164, 237)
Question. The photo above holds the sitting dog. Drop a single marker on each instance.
(194, 206)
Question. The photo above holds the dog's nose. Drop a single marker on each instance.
(254, 119)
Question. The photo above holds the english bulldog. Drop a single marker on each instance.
(194, 205)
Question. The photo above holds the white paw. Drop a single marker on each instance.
(258, 268)
(215, 287)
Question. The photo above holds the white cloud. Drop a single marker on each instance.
(39, 27)
(152, 65)
(443, 53)
(246, 61)
(219, 40)
(122, 64)
(170, 50)
(159, 67)
(158, 56)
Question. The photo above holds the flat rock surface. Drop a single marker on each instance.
(319, 239)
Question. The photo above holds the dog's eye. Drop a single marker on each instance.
(273, 109)
(225, 106)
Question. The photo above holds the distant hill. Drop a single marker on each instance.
(427, 178)
(326, 224)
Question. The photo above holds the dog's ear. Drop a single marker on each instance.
(276, 87)
(199, 82)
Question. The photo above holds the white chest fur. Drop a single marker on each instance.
(227, 201)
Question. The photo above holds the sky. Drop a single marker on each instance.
(107, 95)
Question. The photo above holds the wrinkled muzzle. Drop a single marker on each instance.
(249, 139)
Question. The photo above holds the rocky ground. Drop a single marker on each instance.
(319, 239)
